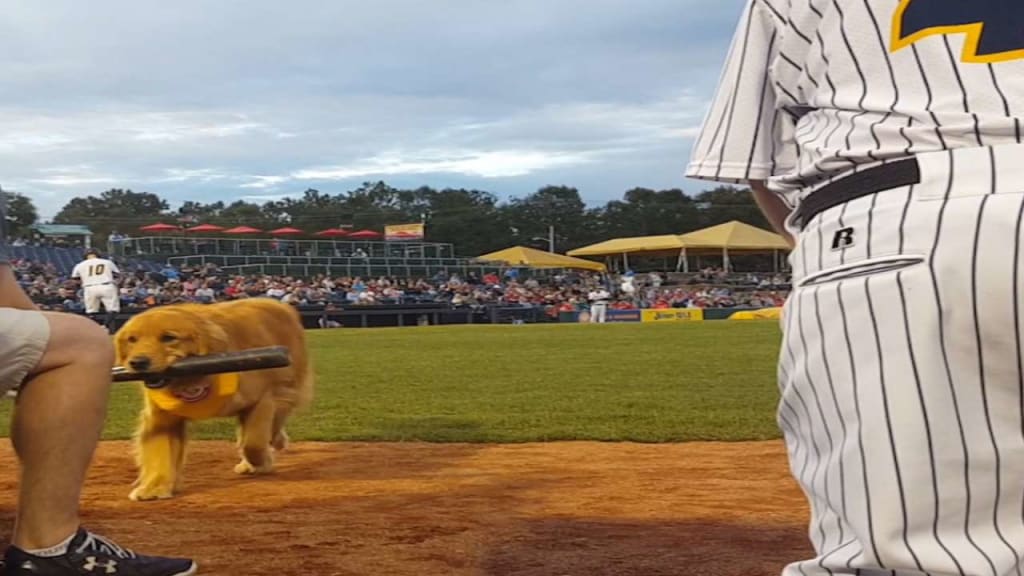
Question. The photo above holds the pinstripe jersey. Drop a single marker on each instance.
(901, 370)
(814, 88)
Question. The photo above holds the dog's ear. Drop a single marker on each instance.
(211, 338)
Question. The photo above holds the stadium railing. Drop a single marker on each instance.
(181, 245)
(308, 266)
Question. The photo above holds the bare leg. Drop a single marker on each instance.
(56, 426)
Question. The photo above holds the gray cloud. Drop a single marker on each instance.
(258, 99)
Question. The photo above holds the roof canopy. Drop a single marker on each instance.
(365, 234)
(160, 227)
(243, 230)
(333, 233)
(205, 228)
(62, 230)
(734, 235)
(668, 242)
(533, 258)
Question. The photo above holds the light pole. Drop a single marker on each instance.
(550, 239)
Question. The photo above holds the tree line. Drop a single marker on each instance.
(475, 221)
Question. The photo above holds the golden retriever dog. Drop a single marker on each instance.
(261, 400)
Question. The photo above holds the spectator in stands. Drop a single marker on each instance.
(628, 284)
(324, 321)
(205, 293)
(276, 291)
(654, 279)
(623, 304)
(170, 272)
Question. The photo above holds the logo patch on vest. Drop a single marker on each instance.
(192, 394)
(993, 29)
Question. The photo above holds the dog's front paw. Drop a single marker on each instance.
(246, 469)
(145, 493)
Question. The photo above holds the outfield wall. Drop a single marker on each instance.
(434, 314)
(676, 315)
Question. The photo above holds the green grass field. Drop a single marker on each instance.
(636, 382)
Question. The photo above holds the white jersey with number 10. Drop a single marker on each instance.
(95, 271)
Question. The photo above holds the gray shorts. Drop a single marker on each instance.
(23, 338)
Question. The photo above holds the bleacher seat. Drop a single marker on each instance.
(64, 259)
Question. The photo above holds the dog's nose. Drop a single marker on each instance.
(140, 363)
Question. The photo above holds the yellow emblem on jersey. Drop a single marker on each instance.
(993, 29)
(201, 401)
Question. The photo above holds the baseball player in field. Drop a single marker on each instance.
(883, 138)
(598, 305)
(98, 286)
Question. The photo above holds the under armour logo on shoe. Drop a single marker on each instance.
(110, 566)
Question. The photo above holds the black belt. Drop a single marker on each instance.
(857, 185)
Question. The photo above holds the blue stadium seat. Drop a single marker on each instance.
(63, 259)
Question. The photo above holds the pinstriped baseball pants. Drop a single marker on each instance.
(901, 374)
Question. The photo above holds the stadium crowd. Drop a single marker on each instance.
(555, 293)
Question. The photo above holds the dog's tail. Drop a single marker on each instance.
(305, 375)
(305, 397)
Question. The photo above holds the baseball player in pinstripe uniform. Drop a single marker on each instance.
(99, 286)
(883, 138)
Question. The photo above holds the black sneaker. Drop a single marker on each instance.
(94, 555)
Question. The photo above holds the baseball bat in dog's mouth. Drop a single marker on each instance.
(241, 361)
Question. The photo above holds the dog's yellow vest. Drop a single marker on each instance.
(207, 404)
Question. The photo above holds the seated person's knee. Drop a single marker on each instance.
(94, 338)
(85, 340)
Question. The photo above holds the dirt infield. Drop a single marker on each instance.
(376, 509)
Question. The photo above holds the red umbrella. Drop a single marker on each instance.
(285, 230)
(332, 233)
(243, 230)
(365, 234)
(159, 227)
(205, 228)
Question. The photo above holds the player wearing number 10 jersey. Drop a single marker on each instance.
(97, 277)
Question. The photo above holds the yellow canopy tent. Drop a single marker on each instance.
(533, 258)
(733, 236)
(670, 243)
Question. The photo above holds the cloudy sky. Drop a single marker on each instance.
(259, 99)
